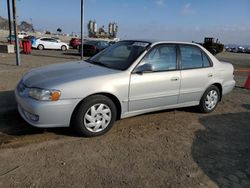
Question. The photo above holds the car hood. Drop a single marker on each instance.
(58, 74)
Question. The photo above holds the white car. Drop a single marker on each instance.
(22, 34)
(50, 43)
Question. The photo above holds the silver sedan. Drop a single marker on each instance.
(127, 79)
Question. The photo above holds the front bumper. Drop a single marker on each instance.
(50, 114)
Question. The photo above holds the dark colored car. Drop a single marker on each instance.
(92, 47)
(112, 42)
(247, 50)
(11, 37)
(75, 43)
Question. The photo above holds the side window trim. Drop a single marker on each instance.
(208, 58)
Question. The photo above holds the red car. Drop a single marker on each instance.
(75, 43)
(92, 47)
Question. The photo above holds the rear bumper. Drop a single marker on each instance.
(228, 87)
(50, 114)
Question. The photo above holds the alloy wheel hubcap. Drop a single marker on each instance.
(211, 99)
(97, 118)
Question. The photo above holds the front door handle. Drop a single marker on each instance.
(175, 78)
(210, 75)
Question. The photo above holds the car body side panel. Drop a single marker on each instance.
(149, 90)
(193, 83)
(225, 72)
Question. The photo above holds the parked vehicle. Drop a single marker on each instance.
(212, 45)
(247, 50)
(228, 49)
(112, 42)
(75, 43)
(234, 50)
(11, 37)
(127, 79)
(92, 47)
(22, 34)
(49, 43)
(241, 49)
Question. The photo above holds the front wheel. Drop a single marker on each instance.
(40, 47)
(209, 99)
(63, 48)
(95, 116)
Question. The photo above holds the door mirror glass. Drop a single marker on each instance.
(144, 68)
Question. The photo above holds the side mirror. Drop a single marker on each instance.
(144, 68)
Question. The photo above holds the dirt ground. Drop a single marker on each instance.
(173, 148)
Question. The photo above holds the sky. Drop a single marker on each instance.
(179, 20)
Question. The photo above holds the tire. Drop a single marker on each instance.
(210, 99)
(63, 48)
(40, 47)
(87, 121)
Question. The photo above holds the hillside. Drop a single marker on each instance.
(23, 26)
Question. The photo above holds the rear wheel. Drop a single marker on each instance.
(95, 116)
(40, 47)
(209, 99)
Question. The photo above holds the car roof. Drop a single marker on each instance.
(48, 38)
(155, 41)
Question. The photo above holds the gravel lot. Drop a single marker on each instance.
(173, 148)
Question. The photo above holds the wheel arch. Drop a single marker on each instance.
(40, 45)
(108, 95)
(219, 86)
(63, 45)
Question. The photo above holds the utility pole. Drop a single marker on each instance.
(9, 19)
(16, 34)
(82, 27)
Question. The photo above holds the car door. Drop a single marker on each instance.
(46, 43)
(53, 44)
(161, 86)
(56, 44)
(196, 73)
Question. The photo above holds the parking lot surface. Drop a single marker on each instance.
(173, 148)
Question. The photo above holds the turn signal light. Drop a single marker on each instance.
(55, 96)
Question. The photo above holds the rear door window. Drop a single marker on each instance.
(191, 57)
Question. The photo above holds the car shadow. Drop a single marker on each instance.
(222, 149)
(246, 106)
(76, 54)
(72, 54)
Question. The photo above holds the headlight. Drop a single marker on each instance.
(44, 94)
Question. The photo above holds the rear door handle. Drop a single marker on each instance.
(175, 78)
(210, 75)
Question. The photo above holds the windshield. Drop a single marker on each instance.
(92, 42)
(120, 55)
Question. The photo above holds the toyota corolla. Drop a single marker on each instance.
(126, 79)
